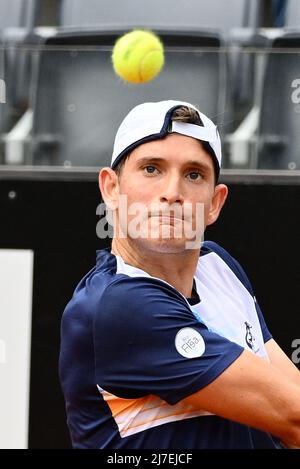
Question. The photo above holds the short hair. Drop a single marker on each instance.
(181, 114)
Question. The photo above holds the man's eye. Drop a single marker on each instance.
(195, 176)
(149, 169)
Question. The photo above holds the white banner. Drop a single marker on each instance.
(16, 277)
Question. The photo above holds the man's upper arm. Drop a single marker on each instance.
(253, 392)
(281, 361)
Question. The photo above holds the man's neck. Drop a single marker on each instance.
(178, 269)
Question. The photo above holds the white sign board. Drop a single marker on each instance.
(16, 276)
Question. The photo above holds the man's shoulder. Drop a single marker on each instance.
(139, 305)
(208, 247)
(231, 262)
(211, 247)
(137, 291)
(119, 293)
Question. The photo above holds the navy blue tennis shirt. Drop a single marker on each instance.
(133, 347)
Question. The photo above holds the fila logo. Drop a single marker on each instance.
(189, 343)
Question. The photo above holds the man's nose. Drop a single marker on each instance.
(172, 190)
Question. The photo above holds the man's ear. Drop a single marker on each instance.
(218, 200)
(109, 187)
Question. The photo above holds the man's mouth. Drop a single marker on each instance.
(167, 218)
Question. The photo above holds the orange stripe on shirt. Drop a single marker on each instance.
(136, 415)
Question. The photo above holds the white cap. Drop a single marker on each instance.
(151, 121)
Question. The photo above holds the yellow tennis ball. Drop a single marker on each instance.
(138, 56)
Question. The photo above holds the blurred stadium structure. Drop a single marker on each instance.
(230, 58)
(236, 59)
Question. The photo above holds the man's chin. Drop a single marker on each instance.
(164, 246)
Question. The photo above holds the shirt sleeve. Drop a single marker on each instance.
(147, 341)
(238, 270)
(265, 331)
(245, 280)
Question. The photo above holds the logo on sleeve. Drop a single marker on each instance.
(189, 343)
(250, 339)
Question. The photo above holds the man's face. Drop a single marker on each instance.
(168, 187)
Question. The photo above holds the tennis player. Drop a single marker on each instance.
(163, 343)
